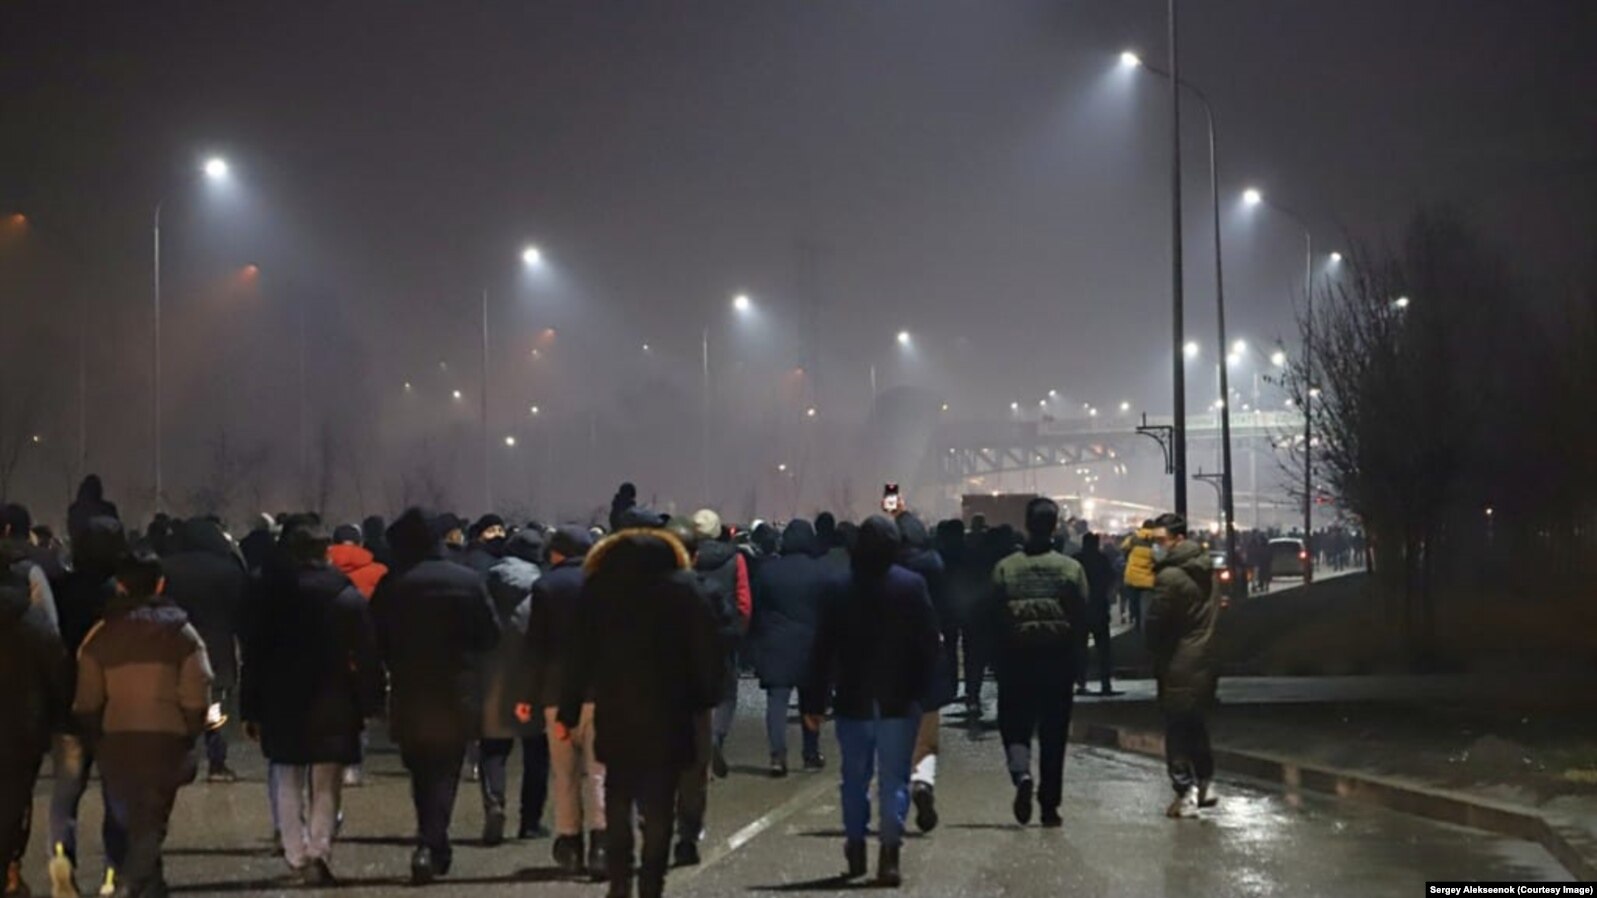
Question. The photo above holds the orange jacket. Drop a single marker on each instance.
(358, 565)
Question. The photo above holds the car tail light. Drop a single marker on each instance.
(1303, 556)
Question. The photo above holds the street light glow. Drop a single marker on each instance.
(741, 302)
(407, 386)
(1336, 258)
(1014, 406)
(903, 338)
(1252, 196)
(511, 442)
(455, 394)
(535, 411)
(1191, 349)
(1125, 406)
(1278, 358)
(1239, 347)
(782, 467)
(532, 257)
(1233, 359)
(1053, 394)
(216, 168)
(1402, 302)
(809, 412)
(1129, 60)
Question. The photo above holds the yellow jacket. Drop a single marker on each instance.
(1138, 549)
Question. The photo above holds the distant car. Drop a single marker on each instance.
(1288, 558)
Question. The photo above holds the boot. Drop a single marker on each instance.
(718, 765)
(493, 828)
(598, 866)
(422, 870)
(925, 806)
(568, 854)
(1023, 790)
(687, 853)
(778, 767)
(887, 868)
(854, 854)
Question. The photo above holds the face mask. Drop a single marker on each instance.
(1160, 552)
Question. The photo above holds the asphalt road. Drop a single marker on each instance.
(784, 836)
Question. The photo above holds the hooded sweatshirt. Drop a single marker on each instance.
(359, 565)
(143, 670)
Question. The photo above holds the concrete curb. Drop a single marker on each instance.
(1567, 843)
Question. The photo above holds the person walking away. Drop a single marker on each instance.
(1180, 633)
(90, 503)
(143, 689)
(311, 678)
(1040, 600)
(81, 599)
(787, 604)
(510, 583)
(1101, 578)
(354, 560)
(552, 637)
(374, 538)
(207, 580)
(625, 499)
(16, 538)
(433, 624)
(33, 668)
(720, 565)
(919, 557)
(648, 656)
(1138, 549)
(875, 657)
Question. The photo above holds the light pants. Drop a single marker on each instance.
(882, 747)
(307, 807)
(926, 744)
(578, 776)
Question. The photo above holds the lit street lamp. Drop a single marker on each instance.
(531, 258)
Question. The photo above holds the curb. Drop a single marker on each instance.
(1571, 848)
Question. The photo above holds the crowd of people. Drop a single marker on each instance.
(611, 655)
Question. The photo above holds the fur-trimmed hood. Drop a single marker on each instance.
(637, 537)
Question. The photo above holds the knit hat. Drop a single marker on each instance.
(571, 541)
(347, 533)
(706, 524)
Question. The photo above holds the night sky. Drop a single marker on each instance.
(981, 174)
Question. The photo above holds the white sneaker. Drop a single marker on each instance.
(1207, 797)
(109, 887)
(1185, 805)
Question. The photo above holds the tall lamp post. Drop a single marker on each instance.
(215, 169)
(1227, 475)
(1179, 377)
(531, 258)
(742, 305)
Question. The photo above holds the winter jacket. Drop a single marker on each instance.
(359, 565)
(722, 568)
(1040, 599)
(1179, 627)
(434, 624)
(510, 585)
(552, 615)
(919, 557)
(89, 504)
(788, 592)
(1138, 549)
(143, 671)
(646, 650)
(14, 557)
(1100, 573)
(311, 674)
(878, 647)
(33, 669)
(480, 556)
(208, 582)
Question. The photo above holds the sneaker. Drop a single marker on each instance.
(354, 777)
(530, 831)
(718, 764)
(687, 853)
(317, 875)
(493, 829)
(1023, 791)
(108, 887)
(816, 761)
(854, 855)
(221, 773)
(598, 868)
(14, 884)
(887, 874)
(925, 806)
(1185, 805)
(778, 768)
(473, 774)
(421, 867)
(1206, 794)
(1051, 818)
(63, 879)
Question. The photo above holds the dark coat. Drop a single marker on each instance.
(33, 669)
(878, 645)
(434, 623)
(716, 565)
(647, 651)
(311, 672)
(1179, 627)
(920, 558)
(552, 620)
(1039, 614)
(89, 504)
(480, 556)
(788, 591)
(1101, 579)
(510, 585)
(208, 582)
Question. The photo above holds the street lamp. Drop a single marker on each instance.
(742, 303)
(1278, 358)
(903, 339)
(531, 259)
(1401, 302)
(1191, 349)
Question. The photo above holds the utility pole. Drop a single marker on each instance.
(1178, 354)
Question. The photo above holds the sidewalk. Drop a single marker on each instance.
(1518, 757)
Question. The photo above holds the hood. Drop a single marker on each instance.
(638, 554)
(913, 529)
(799, 539)
(1189, 555)
(200, 535)
(714, 555)
(512, 572)
(414, 537)
(91, 489)
(349, 557)
(526, 545)
(99, 546)
(878, 546)
(159, 611)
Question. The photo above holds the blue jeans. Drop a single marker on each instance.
(883, 746)
(72, 762)
(776, 702)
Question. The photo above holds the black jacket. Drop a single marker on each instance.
(647, 651)
(920, 558)
(33, 669)
(433, 626)
(89, 504)
(208, 582)
(311, 672)
(788, 592)
(510, 584)
(717, 568)
(1101, 580)
(552, 615)
(878, 646)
